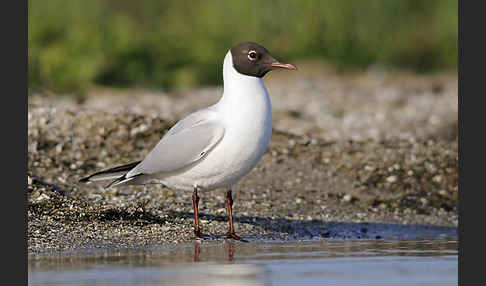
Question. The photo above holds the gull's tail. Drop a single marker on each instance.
(117, 173)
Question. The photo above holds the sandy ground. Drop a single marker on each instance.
(353, 155)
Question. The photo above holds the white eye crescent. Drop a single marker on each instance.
(252, 55)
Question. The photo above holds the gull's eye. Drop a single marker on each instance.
(252, 55)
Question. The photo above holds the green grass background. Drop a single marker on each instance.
(74, 44)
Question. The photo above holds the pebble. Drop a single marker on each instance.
(437, 178)
(59, 147)
(347, 198)
(369, 168)
(95, 197)
(42, 197)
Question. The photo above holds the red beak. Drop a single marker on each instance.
(287, 66)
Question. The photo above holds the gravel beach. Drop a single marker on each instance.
(353, 155)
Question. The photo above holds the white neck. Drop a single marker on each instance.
(238, 86)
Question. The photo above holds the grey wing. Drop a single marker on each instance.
(185, 143)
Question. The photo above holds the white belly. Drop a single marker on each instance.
(247, 134)
(234, 157)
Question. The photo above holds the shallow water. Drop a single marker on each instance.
(364, 262)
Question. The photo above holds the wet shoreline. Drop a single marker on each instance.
(367, 179)
(382, 262)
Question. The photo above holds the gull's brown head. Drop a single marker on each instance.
(253, 59)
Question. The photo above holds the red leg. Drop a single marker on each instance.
(229, 207)
(231, 251)
(195, 205)
(196, 252)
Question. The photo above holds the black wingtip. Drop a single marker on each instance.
(84, 180)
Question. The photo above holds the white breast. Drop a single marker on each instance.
(246, 111)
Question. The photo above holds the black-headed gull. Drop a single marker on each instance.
(216, 146)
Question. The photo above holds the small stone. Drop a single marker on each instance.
(37, 235)
(369, 168)
(391, 179)
(100, 164)
(347, 198)
(42, 197)
(94, 197)
(42, 121)
(437, 179)
(431, 168)
(59, 148)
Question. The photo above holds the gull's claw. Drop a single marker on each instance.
(234, 236)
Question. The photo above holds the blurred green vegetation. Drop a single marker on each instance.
(76, 44)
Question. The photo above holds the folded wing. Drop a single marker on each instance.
(184, 144)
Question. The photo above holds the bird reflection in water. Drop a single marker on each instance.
(197, 251)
